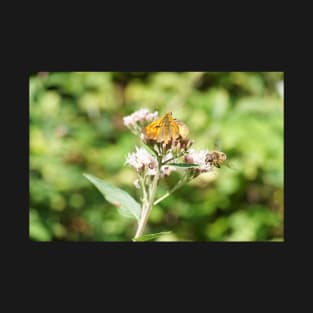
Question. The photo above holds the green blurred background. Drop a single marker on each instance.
(76, 126)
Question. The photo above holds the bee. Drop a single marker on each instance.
(216, 158)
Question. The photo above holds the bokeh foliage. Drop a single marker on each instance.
(76, 127)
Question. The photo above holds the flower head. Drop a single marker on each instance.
(137, 119)
(199, 157)
(142, 160)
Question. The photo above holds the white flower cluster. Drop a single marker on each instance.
(142, 160)
(200, 158)
(140, 116)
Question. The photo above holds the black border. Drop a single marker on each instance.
(249, 275)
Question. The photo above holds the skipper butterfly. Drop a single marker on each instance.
(165, 129)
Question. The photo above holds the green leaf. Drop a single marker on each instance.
(186, 165)
(126, 204)
(151, 150)
(149, 237)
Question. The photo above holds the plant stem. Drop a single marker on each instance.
(177, 186)
(166, 195)
(147, 206)
(171, 159)
(143, 187)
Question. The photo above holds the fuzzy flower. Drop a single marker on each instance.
(142, 160)
(139, 117)
(199, 157)
(166, 170)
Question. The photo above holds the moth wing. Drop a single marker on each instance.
(152, 130)
(162, 134)
(166, 131)
(174, 130)
(169, 131)
(182, 129)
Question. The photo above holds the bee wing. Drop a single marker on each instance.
(231, 166)
(217, 144)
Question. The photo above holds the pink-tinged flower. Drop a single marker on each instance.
(199, 157)
(166, 170)
(142, 160)
(139, 117)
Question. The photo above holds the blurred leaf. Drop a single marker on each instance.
(126, 204)
(37, 230)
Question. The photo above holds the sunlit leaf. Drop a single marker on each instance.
(126, 204)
